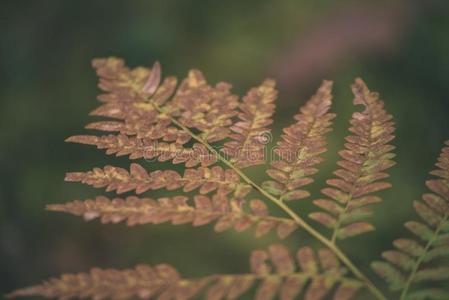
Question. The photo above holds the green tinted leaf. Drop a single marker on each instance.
(355, 215)
(426, 213)
(409, 246)
(273, 187)
(390, 274)
(432, 274)
(437, 252)
(399, 259)
(420, 229)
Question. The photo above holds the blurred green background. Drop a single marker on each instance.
(47, 88)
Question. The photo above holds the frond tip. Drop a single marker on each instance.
(274, 270)
(300, 148)
(251, 134)
(366, 157)
(414, 260)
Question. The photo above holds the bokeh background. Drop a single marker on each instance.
(47, 87)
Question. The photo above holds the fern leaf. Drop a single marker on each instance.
(226, 213)
(149, 149)
(414, 260)
(366, 157)
(142, 282)
(250, 133)
(301, 146)
(137, 178)
(274, 271)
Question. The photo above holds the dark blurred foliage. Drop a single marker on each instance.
(47, 88)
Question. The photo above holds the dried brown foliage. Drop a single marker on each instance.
(154, 119)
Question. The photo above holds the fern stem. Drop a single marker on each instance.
(420, 259)
(301, 222)
(337, 226)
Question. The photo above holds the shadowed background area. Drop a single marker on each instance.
(47, 88)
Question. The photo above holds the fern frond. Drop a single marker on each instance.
(155, 120)
(251, 133)
(415, 261)
(301, 146)
(313, 277)
(225, 212)
(137, 178)
(366, 157)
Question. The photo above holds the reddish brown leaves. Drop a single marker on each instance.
(149, 149)
(410, 262)
(142, 282)
(310, 276)
(366, 157)
(137, 178)
(275, 271)
(226, 213)
(251, 134)
(301, 146)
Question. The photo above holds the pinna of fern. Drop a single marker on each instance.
(418, 261)
(156, 119)
(227, 213)
(300, 147)
(275, 273)
(365, 159)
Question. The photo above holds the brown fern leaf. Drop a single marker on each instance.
(300, 147)
(137, 178)
(149, 149)
(142, 282)
(227, 213)
(366, 157)
(419, 261)
(251, 134)
(312, 277)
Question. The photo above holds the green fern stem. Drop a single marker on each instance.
(337, 226)
(421, 258)
(301, 222)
